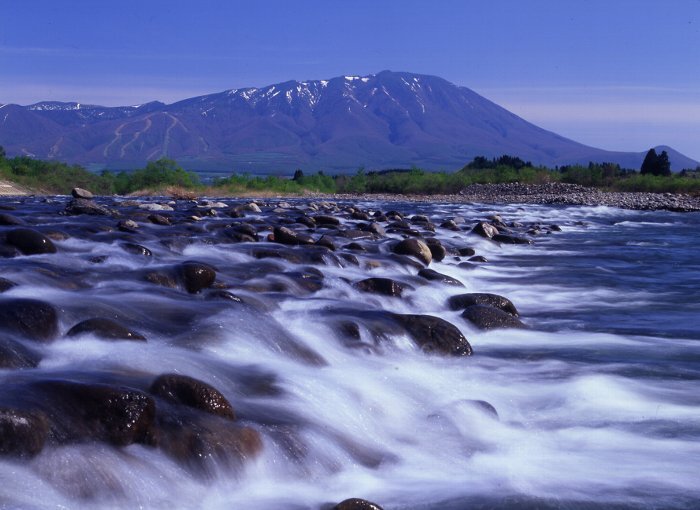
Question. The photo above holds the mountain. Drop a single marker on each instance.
(386, 120)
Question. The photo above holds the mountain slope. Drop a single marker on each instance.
(378, 121)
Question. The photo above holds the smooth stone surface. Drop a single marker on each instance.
(30, 242)
(196, 276)
(384, 286)
(14, 355)
(434, 334)
(356, 504)
(188, 391)
(22, 433)
(415, 248)
(34, 319)
(104, 328)
(82, 193)
(488, 317)
(485, 230)
(430, 274)
(462, 301)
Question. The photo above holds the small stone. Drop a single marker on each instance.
(82, 193)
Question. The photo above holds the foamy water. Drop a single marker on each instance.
(597, 403)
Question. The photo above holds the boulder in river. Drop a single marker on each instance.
(196, 276)
(356, 504)
(34, 319)
(509, 239)
(432, 275)
(30, 242)
(385, 286)
(15, 355)
(489, 317)
(191, 392)
(485, 229)
(82, 193)
(415, 248)
(434, 334)
(105, 328)
(22, 433)
(462, 301)
(85, 206)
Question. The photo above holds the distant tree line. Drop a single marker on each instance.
(56, 177)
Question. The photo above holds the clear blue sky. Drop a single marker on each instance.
(617, 74)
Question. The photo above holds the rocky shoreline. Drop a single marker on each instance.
(555, 193)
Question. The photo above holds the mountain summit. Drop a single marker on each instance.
(383, 120)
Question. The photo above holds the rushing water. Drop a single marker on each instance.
(597, 403)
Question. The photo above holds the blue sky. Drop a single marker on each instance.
(616, 74)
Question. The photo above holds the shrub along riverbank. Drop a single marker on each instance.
(60, 178)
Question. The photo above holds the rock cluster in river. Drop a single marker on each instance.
(288, 249)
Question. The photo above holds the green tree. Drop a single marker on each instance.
(298, 175)
(650, 163)
(663, 165)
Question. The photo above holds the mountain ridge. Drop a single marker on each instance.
(388, 119)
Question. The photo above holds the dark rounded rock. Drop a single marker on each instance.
(415, 248)
(105, 328)
(508, 239)
(88, 412)
(159, 219)
(30, 242)
(326, 242)
(356, 504)
(9, 220)
(450, 225)
(307, 221)
(196, 276)
(377, 229)
(15, 355)
(485, 230)
(22, 433)
(6, 284)
(434, 334)
(466, 251)
(82, 193)
(462, 301)
(484, 407)
(478, 258)
(34, 319)
(434, 276)
(137, 249)
(488, 317)
(437, 250)
(188, 391)
(325, 220)
(85, 206)
(284, 235)
(385, 286)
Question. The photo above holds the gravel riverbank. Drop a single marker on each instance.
(551, 193)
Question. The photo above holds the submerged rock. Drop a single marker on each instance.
(356, 504)
(432, 275)
(15, 355)
(196, 276)
(485, 230)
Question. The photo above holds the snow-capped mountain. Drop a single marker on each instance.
(378, 121)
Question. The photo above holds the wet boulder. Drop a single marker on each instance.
(10, 220)
(434, 334)
(6, 284)
(284, 235)
(488, 317)
(462, 301)
(324, 220)
(159, 219)
(478, 258)
(202, 442)
(415, 248)
(196, 276)
(30, 242)
(80, 412)
(191, 392)
(34, 319)
(384, 286)
(136, 249)
(432, 275)
(14, 355)
(356, 504)
(22, 433)
(437, 250)
(105, 328)
(82, 193)
(86, 206)
(508, 239)
(485, 230)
